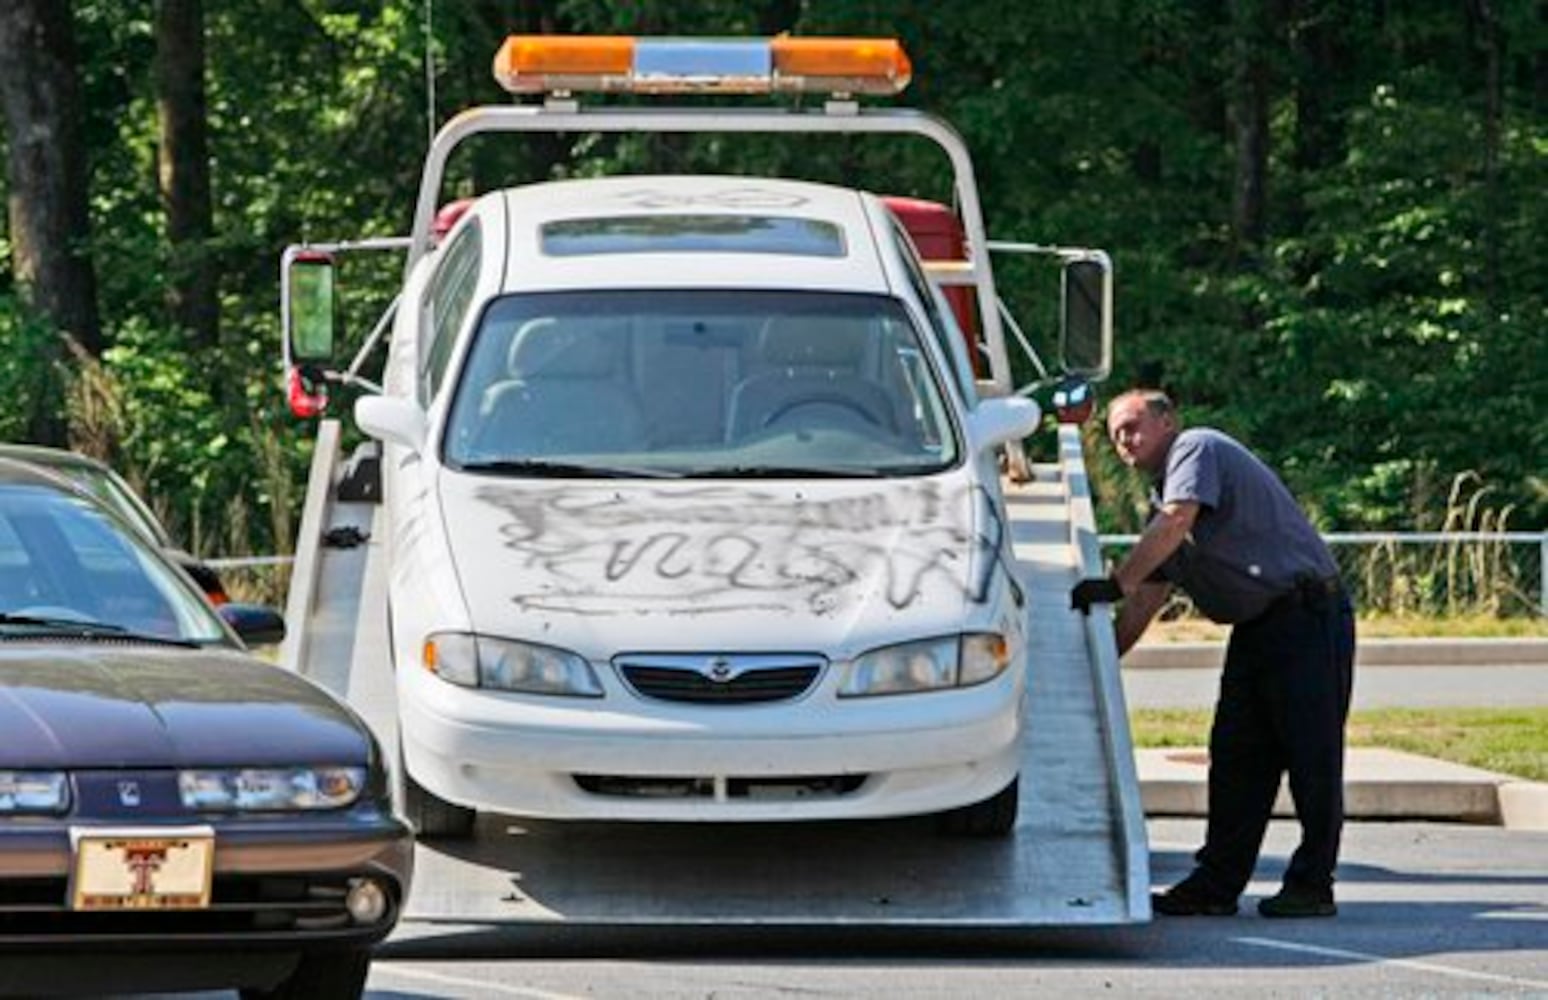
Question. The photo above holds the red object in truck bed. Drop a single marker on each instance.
(937, 233)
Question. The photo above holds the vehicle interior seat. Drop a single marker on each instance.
(567, 392)
(810, 372)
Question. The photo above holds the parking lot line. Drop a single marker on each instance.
(1407, 963)
(481, 987)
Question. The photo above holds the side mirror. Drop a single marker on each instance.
(1073, 401)
(1086, 320)
(254, 624)
(1007, 418)
(393, 420)
(310, 307)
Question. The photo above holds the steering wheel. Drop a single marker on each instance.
(835, 400)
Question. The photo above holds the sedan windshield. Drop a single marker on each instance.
(67, 565)
(699, 383)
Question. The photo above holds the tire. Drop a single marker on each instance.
(432, 817)
(993, 817)
(321, 975)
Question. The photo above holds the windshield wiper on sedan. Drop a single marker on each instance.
(85, 628)
(539, 468)
(781, 472)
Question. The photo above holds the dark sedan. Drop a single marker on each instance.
(201, 817)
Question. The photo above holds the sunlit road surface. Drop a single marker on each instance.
(1508, 686)
(1426, 910)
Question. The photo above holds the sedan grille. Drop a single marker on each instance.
(721, 680)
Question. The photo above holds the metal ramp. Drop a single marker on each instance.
(1078, 856)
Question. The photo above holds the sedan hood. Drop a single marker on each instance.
(73, 704)
(608, 566)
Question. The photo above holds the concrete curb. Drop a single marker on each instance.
(1524, 805)
(1368, 653)
(1379, 784)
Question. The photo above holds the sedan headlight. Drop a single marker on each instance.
(928, 665)
(508, 665)
(33, 792)
(271, 789)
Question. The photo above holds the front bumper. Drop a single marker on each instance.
(278, 882)
(625, 759)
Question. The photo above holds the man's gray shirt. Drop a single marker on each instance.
(1250, 542)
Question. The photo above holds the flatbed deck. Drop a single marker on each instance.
(1077, 857)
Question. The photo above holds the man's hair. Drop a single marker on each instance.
(1157, 402)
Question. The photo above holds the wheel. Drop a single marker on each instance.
(321, 975)
(993, 817)
(430, 815)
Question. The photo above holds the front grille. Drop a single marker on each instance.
(721, 680)
(671, 684)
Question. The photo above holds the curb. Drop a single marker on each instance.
(1524, 805)
(1382, 785)
(1368, 653)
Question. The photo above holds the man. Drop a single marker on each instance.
(1227, 531)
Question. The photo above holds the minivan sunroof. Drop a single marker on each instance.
(692, 234)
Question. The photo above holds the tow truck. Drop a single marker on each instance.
(702, 498)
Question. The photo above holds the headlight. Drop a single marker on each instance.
(928, 665)
(508, 665)
(33, 792)
(984, 656)
(271, 789)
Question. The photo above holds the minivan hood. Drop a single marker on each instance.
(608, 566)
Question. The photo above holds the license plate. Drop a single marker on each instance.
(142, 869)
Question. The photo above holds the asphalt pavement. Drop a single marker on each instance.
(1389, 673)
(1425, 910)
(1475, 686)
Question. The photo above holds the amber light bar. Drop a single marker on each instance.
(538, 64)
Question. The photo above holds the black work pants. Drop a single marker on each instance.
(1284, 700)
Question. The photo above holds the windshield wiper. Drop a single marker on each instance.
(780, 472)
(538, 468)
(85, 628)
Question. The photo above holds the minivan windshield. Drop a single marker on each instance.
(698, 383)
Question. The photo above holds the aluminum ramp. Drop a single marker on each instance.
(1078, 856)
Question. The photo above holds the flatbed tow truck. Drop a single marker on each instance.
(1077, 854)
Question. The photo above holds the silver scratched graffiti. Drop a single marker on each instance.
(599, 550)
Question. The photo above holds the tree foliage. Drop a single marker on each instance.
(1371, 318)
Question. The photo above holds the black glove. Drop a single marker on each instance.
(1101, 591)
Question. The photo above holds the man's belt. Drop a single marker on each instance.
(1307, 592)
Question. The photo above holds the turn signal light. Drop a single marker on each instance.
(878, 59)
(532, 55)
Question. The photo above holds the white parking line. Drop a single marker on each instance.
(1407, 963)
(481, 987)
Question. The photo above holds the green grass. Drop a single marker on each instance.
(1509, 740)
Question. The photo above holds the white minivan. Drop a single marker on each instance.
(695, 515)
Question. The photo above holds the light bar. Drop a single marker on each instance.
(538, 64)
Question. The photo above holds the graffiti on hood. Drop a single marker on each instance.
(700, 550)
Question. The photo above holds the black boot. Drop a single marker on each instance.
(1298, 901)
(1193, 897)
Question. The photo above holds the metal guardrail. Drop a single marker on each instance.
(1459, 570)
(249, 562)
(1103, 647)
(302, 594)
